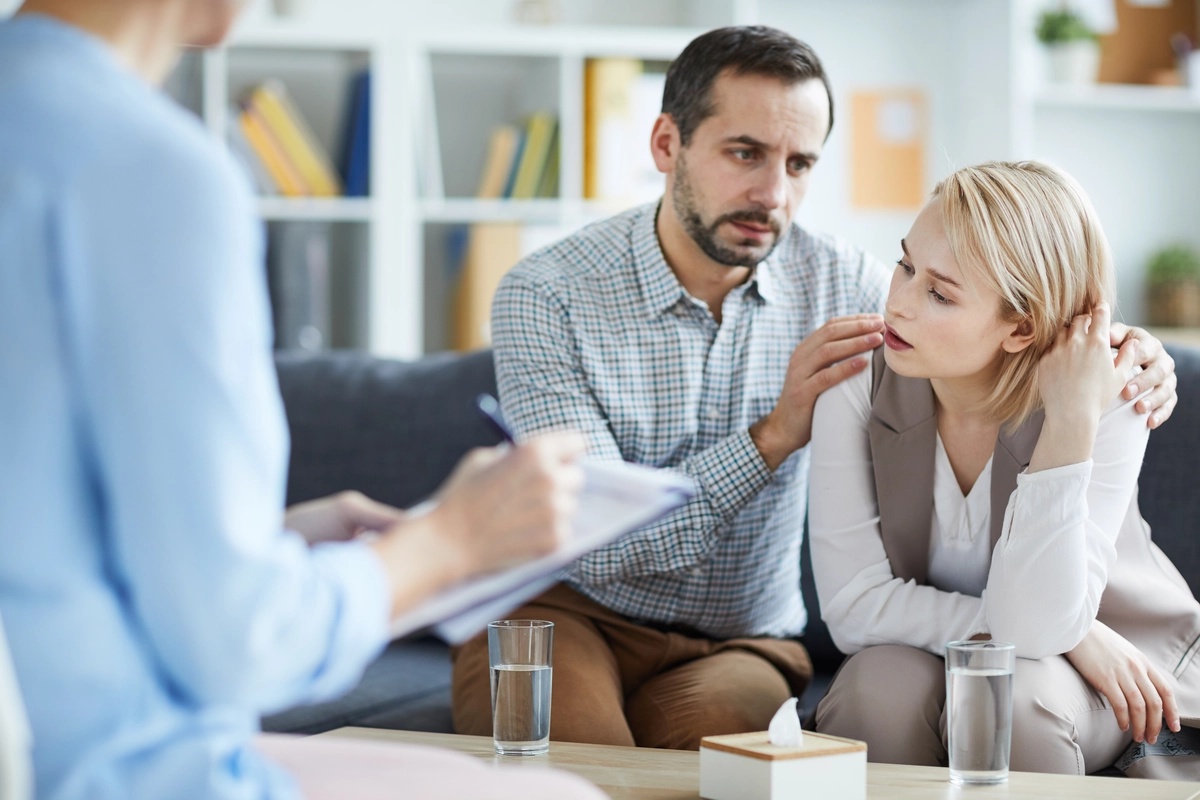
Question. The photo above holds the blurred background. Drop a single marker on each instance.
(408, 153)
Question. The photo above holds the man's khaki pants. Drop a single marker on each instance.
(622, 683)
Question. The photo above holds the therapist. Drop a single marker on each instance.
(154, 604)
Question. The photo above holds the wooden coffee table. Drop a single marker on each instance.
(642, 773)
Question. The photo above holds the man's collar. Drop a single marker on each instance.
(661, 289)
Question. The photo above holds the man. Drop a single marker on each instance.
(668, 335)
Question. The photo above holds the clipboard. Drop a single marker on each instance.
(617, 498)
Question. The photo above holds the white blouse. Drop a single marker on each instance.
(959, 539)
(1039, 589)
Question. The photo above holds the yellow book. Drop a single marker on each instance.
(502, 150)
(299, 142)
(492, 249)
(608, 85)
(271, 154)
(539, 133)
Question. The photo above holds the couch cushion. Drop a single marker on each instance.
(392, 430)
(1169, 490)
(407, 688)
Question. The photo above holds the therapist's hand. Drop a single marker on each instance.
(499, 508)
(511, 503)
(339, 517)
(1141, 696)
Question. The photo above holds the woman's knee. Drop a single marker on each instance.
(1060, 724)
(891, 697)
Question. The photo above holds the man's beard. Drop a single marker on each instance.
(705, 236)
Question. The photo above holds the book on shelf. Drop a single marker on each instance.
(511, 179)
(299, 280)
(299, 143)
(492, 248)
(503, 145)
(540, 131)
(270, 153)
(621, 102)
(548, 184)
(244, 154)
(356, 140)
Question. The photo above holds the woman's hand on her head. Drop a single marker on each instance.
(1078, 376)
(1141, 697)
(1078, 379)
(1158, 371)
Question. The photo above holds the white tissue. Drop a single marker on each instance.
(784, 729)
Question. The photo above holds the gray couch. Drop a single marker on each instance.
(394, 430)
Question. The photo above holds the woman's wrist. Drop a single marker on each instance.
(1065, 439)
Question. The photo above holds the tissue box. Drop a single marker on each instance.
(746, 766)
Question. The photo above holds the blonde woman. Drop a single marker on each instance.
(981, 482)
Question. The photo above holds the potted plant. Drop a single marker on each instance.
(1173, 280)
(1071, 45)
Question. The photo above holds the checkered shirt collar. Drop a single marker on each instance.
(661, 290)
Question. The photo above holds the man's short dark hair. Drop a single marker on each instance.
(744, 50)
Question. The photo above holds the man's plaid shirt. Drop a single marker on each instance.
(595, 333)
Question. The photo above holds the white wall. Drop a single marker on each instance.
(1141, 170)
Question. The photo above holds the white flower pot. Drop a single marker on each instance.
(1073, 62)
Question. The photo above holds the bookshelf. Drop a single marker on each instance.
(324, 253)
(1133, 147)
(438, 88)
(477, 80)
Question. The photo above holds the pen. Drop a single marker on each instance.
(490, 408)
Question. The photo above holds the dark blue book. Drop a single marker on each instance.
(356, 142)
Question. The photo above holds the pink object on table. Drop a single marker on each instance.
(346, 769)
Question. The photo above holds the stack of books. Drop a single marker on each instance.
(285, 157)
(522, 161)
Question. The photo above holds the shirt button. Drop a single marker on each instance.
(712, 413)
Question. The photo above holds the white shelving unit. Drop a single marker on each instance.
(1120, 97)
(317, 68)
(1134, 148)
(479, 79)
(438, 87)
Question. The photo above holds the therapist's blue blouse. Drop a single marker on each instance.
(153, 604)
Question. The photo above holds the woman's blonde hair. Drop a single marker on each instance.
(1028, 232)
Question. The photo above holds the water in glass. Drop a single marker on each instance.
(979, 724)
(521, 708)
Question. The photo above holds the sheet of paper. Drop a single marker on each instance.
(616, 498)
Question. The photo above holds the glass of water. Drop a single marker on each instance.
(519, 653)
(979, 678)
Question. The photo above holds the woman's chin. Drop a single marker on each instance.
(901, 362)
